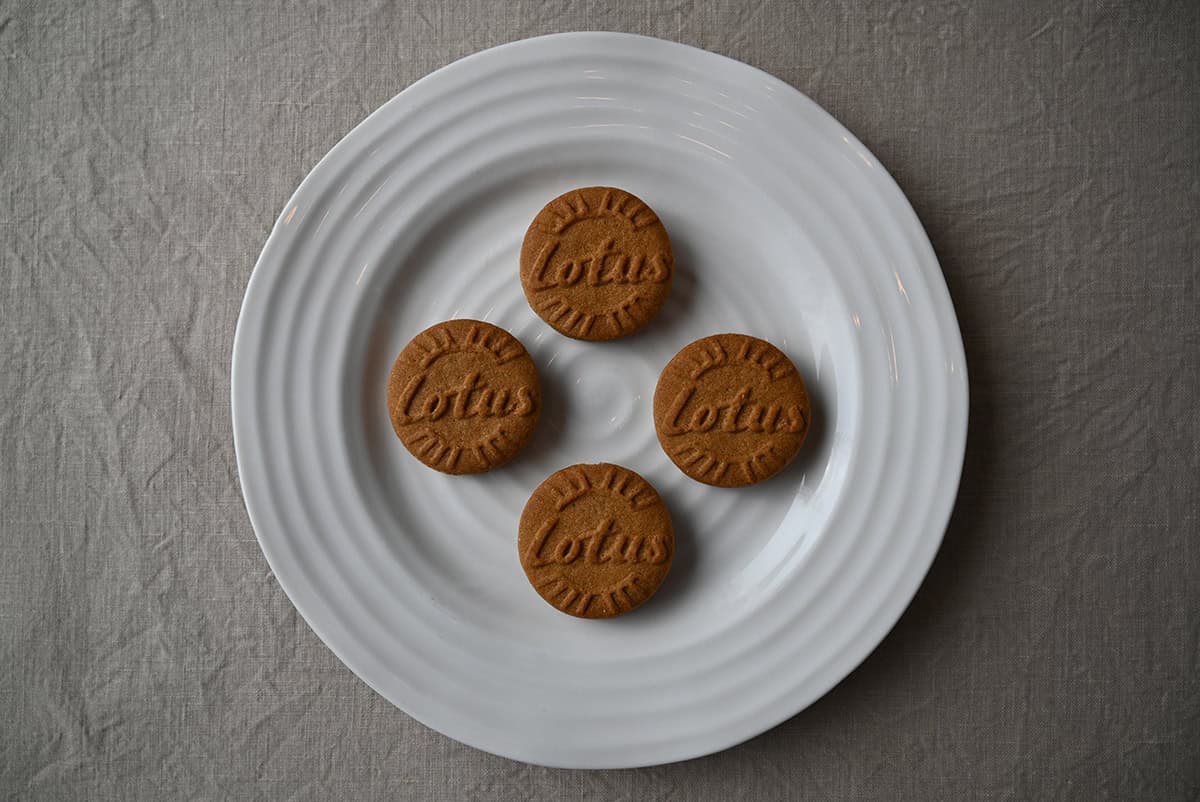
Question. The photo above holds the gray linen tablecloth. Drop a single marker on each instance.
(146, 652)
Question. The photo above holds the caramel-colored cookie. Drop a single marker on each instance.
(596, 263)
(595, 540)
(731, 410)
(463, 396)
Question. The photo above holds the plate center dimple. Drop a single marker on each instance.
(605, 395)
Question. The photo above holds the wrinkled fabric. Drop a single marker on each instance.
(1050, 149)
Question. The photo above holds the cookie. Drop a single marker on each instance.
(731, 410)
(595, 540)
(596, 263)
(463, 396)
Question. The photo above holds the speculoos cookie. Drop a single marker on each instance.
(463, 396)
(596, 263)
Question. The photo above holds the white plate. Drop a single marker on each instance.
(785, 227)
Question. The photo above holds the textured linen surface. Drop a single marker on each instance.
(146, 651)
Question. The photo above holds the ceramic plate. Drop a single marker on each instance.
(784, 227)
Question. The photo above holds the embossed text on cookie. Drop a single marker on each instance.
(731, 410)
(463, 396)
(596, 263)
(595, 540)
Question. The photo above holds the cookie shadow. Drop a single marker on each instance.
(809, 465)
(548, 433)
(679, 582)
(807, 468)
(682, 297)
